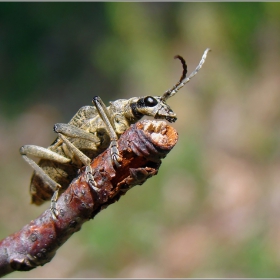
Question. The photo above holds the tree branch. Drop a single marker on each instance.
(142, 147)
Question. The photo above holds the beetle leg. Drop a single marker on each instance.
(81, 139)
(79, 154)
(41, 173)
(74, 132)
(53, 204)
(105, 116)
(44, 153)
(83, 158)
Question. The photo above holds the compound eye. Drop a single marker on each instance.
(150, 101)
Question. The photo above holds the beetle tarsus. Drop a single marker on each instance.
(115, 154)
(53, 204)
(90, 179)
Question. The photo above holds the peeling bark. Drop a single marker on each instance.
(142, 147)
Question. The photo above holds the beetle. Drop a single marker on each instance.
(90, 131)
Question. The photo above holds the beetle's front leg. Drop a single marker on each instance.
(115, 154)
(104, 114)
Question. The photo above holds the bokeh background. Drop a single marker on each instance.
(213, 209)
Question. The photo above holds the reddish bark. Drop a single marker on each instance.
(142, 147)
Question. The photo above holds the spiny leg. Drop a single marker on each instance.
(104, 114)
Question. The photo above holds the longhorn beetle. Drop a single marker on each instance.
(89, 132)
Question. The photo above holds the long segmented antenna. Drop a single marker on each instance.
(183, 80)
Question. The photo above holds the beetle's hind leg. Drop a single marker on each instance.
(43, 153)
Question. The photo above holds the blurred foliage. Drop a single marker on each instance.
(44, 45)
(212, 211)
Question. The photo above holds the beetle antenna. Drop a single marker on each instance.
(185, 70)
(183, 80)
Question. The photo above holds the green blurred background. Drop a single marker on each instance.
(213, 209)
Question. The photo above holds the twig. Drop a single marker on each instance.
(142, 147)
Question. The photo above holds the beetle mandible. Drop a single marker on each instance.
(91, 130)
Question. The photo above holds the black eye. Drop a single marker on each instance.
(150, 101)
